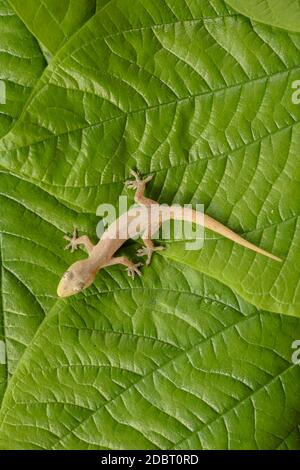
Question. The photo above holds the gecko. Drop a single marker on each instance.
(81, 274)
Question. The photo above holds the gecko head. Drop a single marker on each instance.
(79, 276)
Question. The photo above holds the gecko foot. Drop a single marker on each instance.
(72, 245)
(145, 251)
(134, 184)
(134, 269)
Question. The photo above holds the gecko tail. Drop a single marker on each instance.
(217, 227)
(212, 224)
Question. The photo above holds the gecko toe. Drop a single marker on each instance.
(138, 180)
(131, 185)
(132, 271)
(142, 252)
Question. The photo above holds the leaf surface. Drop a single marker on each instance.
(21, 64)
(62, 18)
(25, 299)
(101, 4)
(201, 97)
(281, 13)
(227, 140)
(162, 362)
(32, 260)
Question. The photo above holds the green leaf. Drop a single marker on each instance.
(101, 4)
(21, 64)
(281, 13)
(53, 22)
(32, 260)
(22, 57)
(201, 107)
(25, 299)
(161, 362)
(200, 96)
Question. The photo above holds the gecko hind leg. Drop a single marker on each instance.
(132, 268)
(139, 184)
(74, 242)
(148, 250)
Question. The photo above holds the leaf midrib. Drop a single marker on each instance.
(3, 317)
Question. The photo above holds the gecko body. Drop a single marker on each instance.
(81, 274)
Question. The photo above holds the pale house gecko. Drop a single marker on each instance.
(81, 274)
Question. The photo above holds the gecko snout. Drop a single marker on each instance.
(77, 278)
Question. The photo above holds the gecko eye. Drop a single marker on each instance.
(68, 275)
(79, 287)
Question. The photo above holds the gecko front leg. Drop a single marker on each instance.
(132, 268)
(139, 184)
(74, 242)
